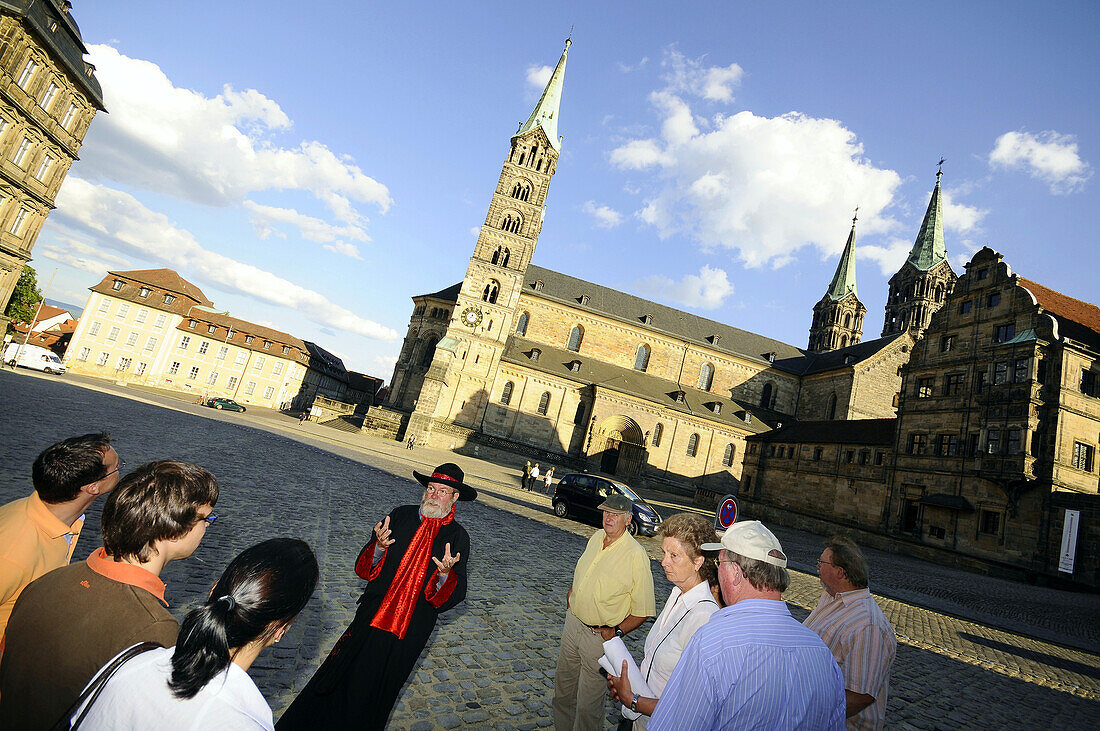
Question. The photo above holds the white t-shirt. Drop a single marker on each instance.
(138, 697)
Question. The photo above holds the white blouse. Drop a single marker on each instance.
(138, 697)
(682, 615)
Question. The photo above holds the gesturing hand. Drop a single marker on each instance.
(382, 533)
(618, 688)
(448, 561)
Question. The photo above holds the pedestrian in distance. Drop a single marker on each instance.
(205, 676)
(70, 622)
(38, 533)
(415, 564)
(302, 417)
(855, 629)
(534, 477)
(527, 475)
(611, 595)
(549, 479)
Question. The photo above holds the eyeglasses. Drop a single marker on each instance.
(210, 519)
(118, 468)
(441, 490)
(827, 563)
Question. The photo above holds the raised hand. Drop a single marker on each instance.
(448, 561)
(382, 533)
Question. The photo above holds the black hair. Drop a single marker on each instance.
(262, 589)
(62, 469)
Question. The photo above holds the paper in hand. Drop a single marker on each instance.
(612, 661)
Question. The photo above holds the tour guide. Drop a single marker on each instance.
(612, 594)
(416, 566)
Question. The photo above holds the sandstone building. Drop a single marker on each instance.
(48, 96)
(153, 327)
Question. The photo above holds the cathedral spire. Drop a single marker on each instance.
(930, 249)
(844, 281)
(545, 114)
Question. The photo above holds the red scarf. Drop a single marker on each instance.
(397, 605)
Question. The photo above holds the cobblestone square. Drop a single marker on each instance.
(490, 664)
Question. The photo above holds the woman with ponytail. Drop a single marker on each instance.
(202, 683)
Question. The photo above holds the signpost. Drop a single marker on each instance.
(726, 514)
(1069, 541)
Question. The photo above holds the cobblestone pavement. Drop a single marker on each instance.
(491, 661)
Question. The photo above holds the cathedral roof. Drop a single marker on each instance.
(844, 281)
(1077, 319)
(450, 294)
(545, 114)
(557, 362)
(165, 279)
(841, 357)
(854, 431)
(634, 310)
(930, 249)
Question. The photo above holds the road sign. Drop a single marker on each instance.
(726, 514)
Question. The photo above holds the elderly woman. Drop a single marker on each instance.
(688, 608)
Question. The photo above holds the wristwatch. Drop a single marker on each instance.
(619, 631)
(634, 704)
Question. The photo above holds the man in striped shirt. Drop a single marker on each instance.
(856, 630)
(752, 665)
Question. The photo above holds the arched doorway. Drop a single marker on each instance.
(621, 447)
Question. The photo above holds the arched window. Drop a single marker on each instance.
(766, 396)
(492, 289)
(496, 256)
(578, 418)
(504, 259)
(727, 458)
(544, 403)
(657, 431)
(520, 191)
(706, 376)
(521, 324)
(693, 445)
(506, 394)
(831, 413)
(641, 360)
(576, 335)
(939, 293)
(511, 223)
(501, 256)
(428, 353)
(844, 341)
(848, 319)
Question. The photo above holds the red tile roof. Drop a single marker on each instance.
(1063, 306)
(166, 279)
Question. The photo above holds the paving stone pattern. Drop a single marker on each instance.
(491, 661)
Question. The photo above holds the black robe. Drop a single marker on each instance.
(358, 684)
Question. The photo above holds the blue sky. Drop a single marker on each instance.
(313, 165)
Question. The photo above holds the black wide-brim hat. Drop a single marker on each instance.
(451, 475)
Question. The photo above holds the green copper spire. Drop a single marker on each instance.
(929, 248)
(844, 281)
(546, 111)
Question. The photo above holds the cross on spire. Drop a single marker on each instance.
(939, 171)
(855, 217)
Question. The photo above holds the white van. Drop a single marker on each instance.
(32, 356)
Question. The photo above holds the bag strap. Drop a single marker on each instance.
(93, 689)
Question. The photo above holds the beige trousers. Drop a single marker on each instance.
(579, 689)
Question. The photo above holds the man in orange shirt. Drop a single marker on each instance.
(38, 533)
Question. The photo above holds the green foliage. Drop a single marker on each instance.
(25, 298)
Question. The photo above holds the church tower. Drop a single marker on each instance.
(457, 384)
(925, 279)
(838, 317)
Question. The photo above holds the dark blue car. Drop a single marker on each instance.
(580, 495)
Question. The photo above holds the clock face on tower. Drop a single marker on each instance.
(471, 316)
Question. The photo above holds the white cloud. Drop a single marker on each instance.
(266, 219)
(705, 290)
(213, 151)
(79, 255)
(889, 256)
(606, 217)
(627, 68)
(691, 76)
(959, 216)
(538, 76)
(762, 186)
(118, 221)
(1048, 156)
(385, 364)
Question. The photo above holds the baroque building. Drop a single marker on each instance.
(918, 289)
(48, 97)
(838, 317)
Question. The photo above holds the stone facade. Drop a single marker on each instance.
(838, 317)
(48, 97)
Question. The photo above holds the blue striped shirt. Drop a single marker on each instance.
(753, 666)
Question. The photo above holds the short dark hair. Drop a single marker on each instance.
(157, 501)
(62, 469)
(847, 556)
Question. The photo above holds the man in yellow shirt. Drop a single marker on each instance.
(612, 594)
(38, 533)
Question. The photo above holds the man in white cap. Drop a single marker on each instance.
(752, 665)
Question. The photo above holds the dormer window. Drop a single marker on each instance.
(680, 397)
(143, 292)
(169, 299)
(117, 285)
(716, 407)
(248, 339)
(535, 353)
(211, 328)
(538, 285)
(575, 366)
(770, 357)
(286, 349)
(191, 325)
(714, 339)
(584, 299)
(267, 345)
(647, 320)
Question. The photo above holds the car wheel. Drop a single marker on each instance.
(633, 528)
(561, 509)
(243, 409)
(218, 406)
(48, 371)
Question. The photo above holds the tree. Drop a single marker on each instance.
(25, 298)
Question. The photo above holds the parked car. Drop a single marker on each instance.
(33, 356)
(581, 495)
(227, 404)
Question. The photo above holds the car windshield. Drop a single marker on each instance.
(626, 491)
